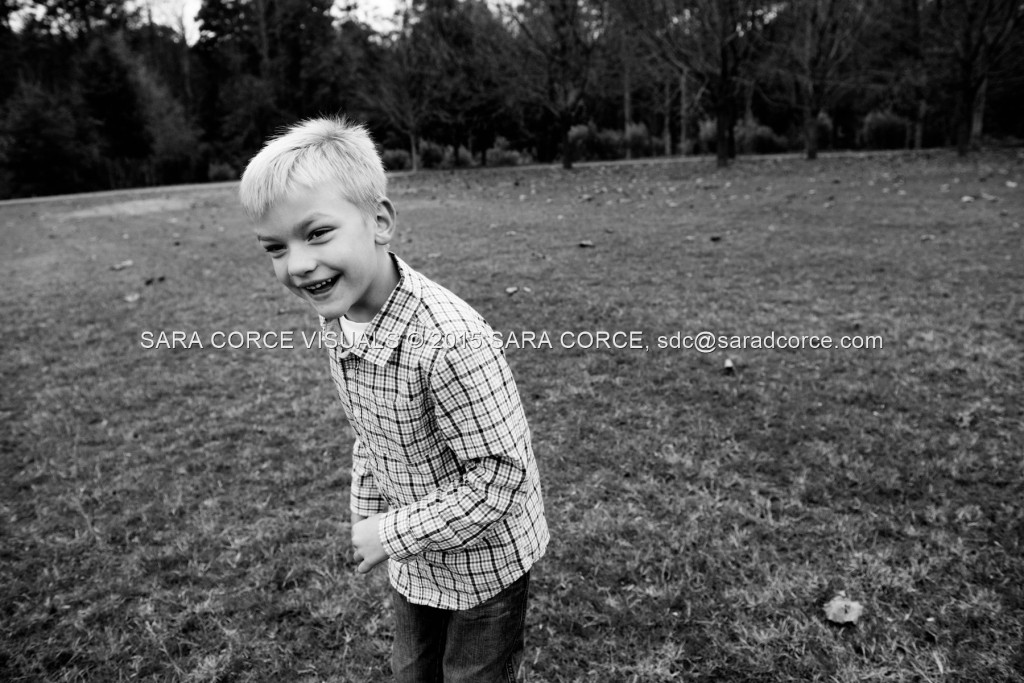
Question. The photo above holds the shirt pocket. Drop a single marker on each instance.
(408, 423)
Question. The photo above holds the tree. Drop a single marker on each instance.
(557, 40)
(113, 102)
(266, 63)
(469, 50)
(81, 19)
(629, 80)
(823, 37)
(303, 57)
(10, 49)
(403, 93)
(899, 53)
(711, 39)
(976, 34)
(48, 147)
(173, 139)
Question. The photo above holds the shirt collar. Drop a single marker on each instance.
(389, 325)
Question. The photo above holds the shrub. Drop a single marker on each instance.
(825, 128)
(502, 154)
(755, 138)
(656, 148)
(638, 139)
(503, 157)
(608, 144)
(431, 154)
(884, 130)
(218, 171)
(592, 144)
(579, 133)
(396, 159)
(707, 135)
(580, 139)
(461, 158)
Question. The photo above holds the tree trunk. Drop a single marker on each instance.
(186, 64)
(810, 129)
(627, 104)
(726, 146)
(964, 113)
(748, 112)
(683, 143)
(566, 147)
(922, 109)
(978, 112)
(414, 152)
(730, 129)
(667, 131)
(264, 38)
(722, 134)
(913, 10)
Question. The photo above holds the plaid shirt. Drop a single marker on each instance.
(442, 447)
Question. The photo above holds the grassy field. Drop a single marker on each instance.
(181, 514)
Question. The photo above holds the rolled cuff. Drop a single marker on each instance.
(395, 537)
(366, 500)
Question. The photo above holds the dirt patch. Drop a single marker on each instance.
(134, 207)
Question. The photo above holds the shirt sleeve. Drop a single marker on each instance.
(365, 498)
(481, 418)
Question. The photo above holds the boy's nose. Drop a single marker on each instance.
(300, 262)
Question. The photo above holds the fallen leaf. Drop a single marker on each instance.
(511, 290)
(967, 198)
(122, 265)
(132, 297)
(965, 419)
(587, 243)
(841, 610)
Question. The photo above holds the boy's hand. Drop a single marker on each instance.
(366, 544)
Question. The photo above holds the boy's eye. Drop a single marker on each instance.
(318, 233)
(273, 248)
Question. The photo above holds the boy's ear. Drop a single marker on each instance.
(386, 218)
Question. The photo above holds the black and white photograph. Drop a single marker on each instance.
(493, 341)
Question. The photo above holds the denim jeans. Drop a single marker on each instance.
(483, 644)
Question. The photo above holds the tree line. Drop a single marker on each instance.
(95, 94)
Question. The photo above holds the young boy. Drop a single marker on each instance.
(444, 481)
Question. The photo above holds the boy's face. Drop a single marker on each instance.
(329, 253)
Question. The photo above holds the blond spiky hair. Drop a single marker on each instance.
(311, 153)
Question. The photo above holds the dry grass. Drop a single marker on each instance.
(181, 514)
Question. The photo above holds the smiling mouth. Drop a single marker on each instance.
(322, 286)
